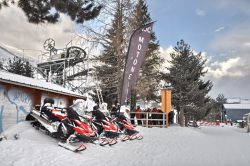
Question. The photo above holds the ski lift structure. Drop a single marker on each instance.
(67, 67)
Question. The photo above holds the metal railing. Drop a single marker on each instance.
(149, 119)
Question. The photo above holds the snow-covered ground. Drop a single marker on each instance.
(175, 146)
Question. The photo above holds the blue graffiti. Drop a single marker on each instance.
(1, 112)
(1, 122)
(21, 109)
(18, 97)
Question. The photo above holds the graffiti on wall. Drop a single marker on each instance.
(1, 114)
(14, 106)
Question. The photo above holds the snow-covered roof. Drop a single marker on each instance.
(245, 101)
(36, 84)
(238, 100)
(233, 100)
(236, 106)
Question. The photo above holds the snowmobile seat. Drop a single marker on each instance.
(48, 113)
(48, 100)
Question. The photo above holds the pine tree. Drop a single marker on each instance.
(1, 65)
(220, 99)
(20, 67)
(189, 90)
(15, 66)
(148, 81)
(28, 71)
(112, 59)
(215, 113)
(39, 11)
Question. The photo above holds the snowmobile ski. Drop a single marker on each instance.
(136, 136)
(104, 142)
(125, 138)
(72, 148)
(132, 137)
(112, 142)
(108, 141)
(139, 137)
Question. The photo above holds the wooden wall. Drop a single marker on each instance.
(17, 101)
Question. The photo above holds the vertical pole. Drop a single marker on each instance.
(163, 102)
(164, 119)
(147, 119)
(64, 74)
(166, 102)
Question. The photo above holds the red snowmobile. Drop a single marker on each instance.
(64, 124)
(129, 131)
(108, 131)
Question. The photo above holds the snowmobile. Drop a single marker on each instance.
(129, 131)
(108, 131)
(64, 125)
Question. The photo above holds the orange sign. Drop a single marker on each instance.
(166, 102)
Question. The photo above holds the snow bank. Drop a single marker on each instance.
(222, 146)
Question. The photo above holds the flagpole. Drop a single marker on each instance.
(127, 54)
(126, 64)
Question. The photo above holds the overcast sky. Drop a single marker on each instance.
(21, 37)
(217, 28)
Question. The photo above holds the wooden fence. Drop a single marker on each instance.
(150, 119)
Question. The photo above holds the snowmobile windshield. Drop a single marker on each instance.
(80, 107)
(72, 114)
(98, 114)
(122, 117)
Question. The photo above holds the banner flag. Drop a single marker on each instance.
(137, 49)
